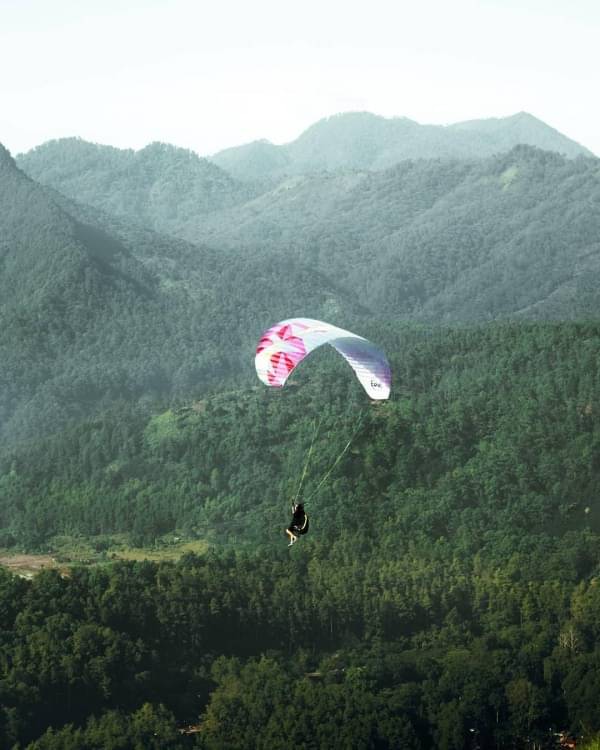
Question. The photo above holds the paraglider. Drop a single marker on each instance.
(283, 346)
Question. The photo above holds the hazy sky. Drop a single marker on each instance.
(208, 74)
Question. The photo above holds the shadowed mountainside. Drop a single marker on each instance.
(162, 186)
(96, 309)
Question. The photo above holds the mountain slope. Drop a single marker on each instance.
(361, 140)
(95, 309)
(162, 186)
(476, 435)
(437, 239)
(255, 161)
(515, 234)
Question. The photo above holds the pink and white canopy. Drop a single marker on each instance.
(286, 344)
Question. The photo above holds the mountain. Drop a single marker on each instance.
(456, 240)
(96, 309)
(361, 140)
(255, 161)
(514, 234)
(164, 187)
(506, 132)
(172, 190)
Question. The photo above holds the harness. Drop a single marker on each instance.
(300, 529)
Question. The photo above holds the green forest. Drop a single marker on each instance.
(446, 596)
(97, 310)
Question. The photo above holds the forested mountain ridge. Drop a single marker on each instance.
(161, 186)
(462, 240)
(514, 234)
(171, 189)
(96, 309)
(63, 342)
(360, 140)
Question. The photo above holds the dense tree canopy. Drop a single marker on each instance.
(446, 595)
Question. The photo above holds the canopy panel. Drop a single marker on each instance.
(283, 346)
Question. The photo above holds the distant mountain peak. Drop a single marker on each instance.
(362, 115)
(527, 116)
(72, 141)
(157, 185)
(160, 147)
(366, 141)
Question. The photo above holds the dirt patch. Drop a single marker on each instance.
(27, 565)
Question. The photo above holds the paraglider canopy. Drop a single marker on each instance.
(283, 346)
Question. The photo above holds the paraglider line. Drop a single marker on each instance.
(310, 450)
(338, 459)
